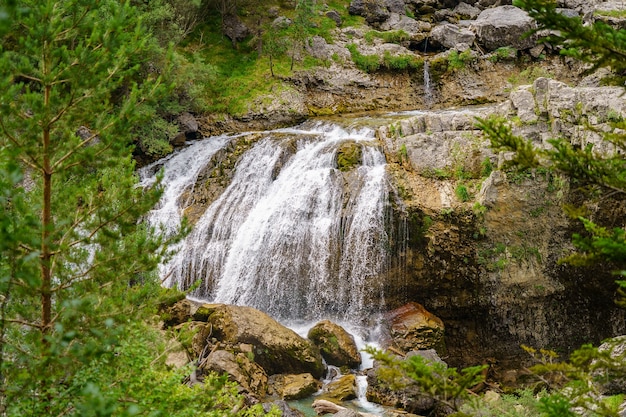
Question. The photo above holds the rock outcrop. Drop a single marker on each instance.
(504, 26)
(412, 327)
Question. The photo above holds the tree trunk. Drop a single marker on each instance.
(46, 225)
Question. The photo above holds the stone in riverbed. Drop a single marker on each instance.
(336, 344)
(276, 348)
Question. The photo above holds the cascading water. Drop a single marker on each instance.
(291, 235)
(428, 90)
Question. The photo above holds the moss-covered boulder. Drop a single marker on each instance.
(336, 344)
(275, 348)
(349, 156)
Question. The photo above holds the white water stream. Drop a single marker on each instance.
(291, 235)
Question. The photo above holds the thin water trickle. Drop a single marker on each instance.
(428, 91)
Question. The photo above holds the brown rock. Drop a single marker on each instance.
(276, 348)
(412, 327)
(299, 386)
(341, 389)
(250, 376)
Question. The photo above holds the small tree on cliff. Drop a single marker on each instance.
(71, 248)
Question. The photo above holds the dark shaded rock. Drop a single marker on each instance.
(332, 14)
(374, 11)
(234, 29)
(176, 314)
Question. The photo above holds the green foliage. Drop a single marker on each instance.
(367, 63)
(529, 75)
(598, 44)
(403, 154)
(401, 62)
(461, 193)
(486, 167)
(458, 61)
(502, 139)
(391, 36)
(503, 53)
(435, 379)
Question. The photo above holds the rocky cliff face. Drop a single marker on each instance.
(484, 247)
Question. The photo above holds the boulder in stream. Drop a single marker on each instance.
(336, 344)
(275, 348)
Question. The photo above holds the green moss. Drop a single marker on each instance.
(349, 155)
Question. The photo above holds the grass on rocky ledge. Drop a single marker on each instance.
(240, 76)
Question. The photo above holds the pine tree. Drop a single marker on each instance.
(75, 261)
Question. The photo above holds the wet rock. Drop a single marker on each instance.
(276, 348)
(349, 156)
(412, 327)
(294, 387)
(341, 389)
(448, 36)
(336, 344)
(504, 26)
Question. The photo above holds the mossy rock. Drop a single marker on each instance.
(336, 344)
(349, 156)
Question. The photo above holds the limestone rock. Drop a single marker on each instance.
(332, 14)
(414, 28)
(335, 343)
(276, 348)
(341, 389)
(466, 11)
(374, 11)
(294, 387)
(448, 35)
(612, 378)
(240, 369)
(504, 26)
(188, 124)
(488, 194)
(412, 327)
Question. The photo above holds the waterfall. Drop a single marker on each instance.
(291, 234)
(428, 90)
